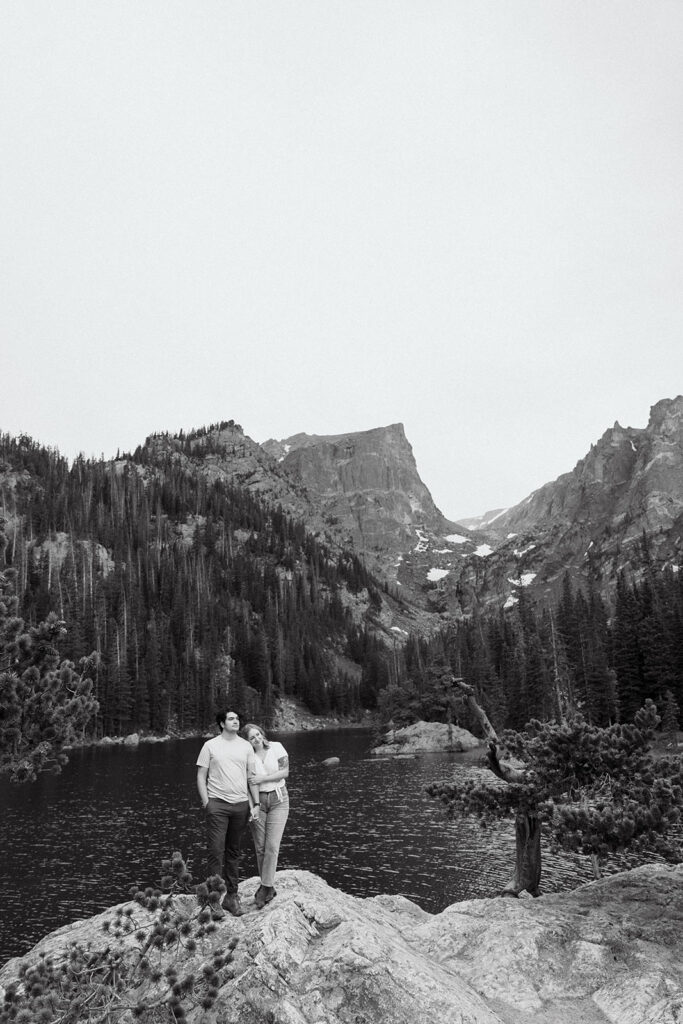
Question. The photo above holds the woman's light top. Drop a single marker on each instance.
(273, 754)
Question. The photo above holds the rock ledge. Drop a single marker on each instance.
(610, 951)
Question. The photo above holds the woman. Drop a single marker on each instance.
(272, 766)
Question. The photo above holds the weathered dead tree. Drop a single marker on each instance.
(527, 873)
(597, 790)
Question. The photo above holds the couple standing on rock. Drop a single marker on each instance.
(242, 780)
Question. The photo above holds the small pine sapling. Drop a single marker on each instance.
(136, 972)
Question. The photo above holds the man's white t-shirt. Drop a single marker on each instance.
(230, 764)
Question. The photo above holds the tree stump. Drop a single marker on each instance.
(527, 856)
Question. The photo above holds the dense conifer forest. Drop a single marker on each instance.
(542, 663)
(185, 590)
(190, 590)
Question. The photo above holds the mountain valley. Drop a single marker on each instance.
(362, 492)
(204, 562)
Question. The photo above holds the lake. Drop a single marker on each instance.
(71, 845)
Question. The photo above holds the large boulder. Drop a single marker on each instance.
(427, 737)
(610, 951)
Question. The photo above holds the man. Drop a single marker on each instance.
(225, 769)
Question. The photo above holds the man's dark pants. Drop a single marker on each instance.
(226, 824)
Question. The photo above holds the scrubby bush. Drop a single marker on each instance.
(135, 972)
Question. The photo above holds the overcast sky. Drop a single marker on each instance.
(466, 216)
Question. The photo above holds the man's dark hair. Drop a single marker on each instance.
(221, 716)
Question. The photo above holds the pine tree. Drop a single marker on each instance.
(671, 716)
(596, 790)
(45, 704)
(627, 656)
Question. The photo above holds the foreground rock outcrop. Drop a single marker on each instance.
(610, 951)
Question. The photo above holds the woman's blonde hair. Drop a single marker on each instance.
(252, 725)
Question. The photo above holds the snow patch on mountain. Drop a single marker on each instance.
(525, 580)
(422, 541)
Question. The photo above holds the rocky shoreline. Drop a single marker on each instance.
(290, 716)
(611, 951)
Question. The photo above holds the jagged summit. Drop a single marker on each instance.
(622, 479)
(667, 416)
(593, 519)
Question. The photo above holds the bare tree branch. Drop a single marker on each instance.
(501, 769)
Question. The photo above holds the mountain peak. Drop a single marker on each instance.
(367, 485)
(303, 440)
(666, 414)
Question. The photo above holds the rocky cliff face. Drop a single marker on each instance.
(611, 951)
(367, 485)
(630, 484)
(630, 481)
(367, 489)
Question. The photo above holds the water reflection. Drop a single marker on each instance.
(72, 844)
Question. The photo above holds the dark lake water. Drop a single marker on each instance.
(72, 844)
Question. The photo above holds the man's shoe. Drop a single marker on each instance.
(260, 897)
(232, 904)
(269, 893)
